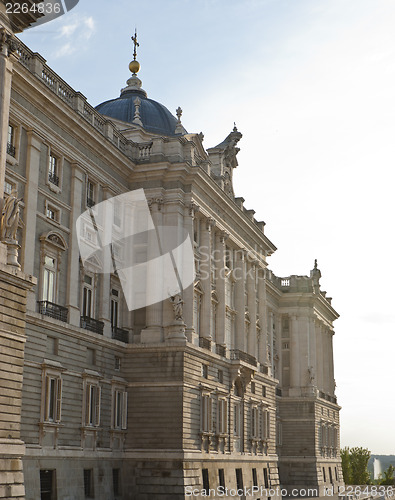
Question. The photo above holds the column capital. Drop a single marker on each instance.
(210, 223)
(193, 209)
(223, 236)
(155, 201)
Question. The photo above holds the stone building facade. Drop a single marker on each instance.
(234, 389)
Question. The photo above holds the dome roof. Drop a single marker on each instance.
(150, 114)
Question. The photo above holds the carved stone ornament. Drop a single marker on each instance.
(10, 218)
(9, 41)
(177, 303)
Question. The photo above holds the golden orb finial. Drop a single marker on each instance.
(134, 65)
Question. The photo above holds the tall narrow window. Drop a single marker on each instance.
(47, 484)
(11, 140)
(87, 297)
(222, 416)
(206, 413)
(221, 478)
(237, 420)
(254, 477)
(255, 422)
(206, 483)
(120, 405)
(49, 279)
(265, 424)
(116, 483)
(114, 308)
(53, 398)
(53, 170)
(92, 407)
(88, 483)
(239, 479)
(90, 194)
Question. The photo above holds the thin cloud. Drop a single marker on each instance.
(73, 34)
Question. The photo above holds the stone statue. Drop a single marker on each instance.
(177, 303)
(315, 276)
(10, 218)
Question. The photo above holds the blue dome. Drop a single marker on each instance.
(154, 116)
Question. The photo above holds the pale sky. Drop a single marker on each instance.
(311, 86)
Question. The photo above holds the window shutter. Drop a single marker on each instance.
(58, 407)
(47, 397)
(87, 403)
(97, 408)
(125, 410)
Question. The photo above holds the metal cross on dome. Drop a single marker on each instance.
(136, 44)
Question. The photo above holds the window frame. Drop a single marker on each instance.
(58, 172)
(119, 408)
(91, 416)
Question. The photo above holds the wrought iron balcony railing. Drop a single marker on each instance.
(93, 325)
(205, 343)
(53, 310)
(90, 202)
(11, 149)
(243, 356)
(53, 178)
(120, 334)
(220, 350)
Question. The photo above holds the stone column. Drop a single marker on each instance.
(153, 332)
(73, 279)
(294, 357)
(239, 273)
(13, 296)
(327, 356)
(312, 355)
(319, 355)
(7, 59)
(205, 272)
(263, 341)
(189, 216)
(105, 276)
(30, 211)
(221, 237)
(252, 292)
(331, 367)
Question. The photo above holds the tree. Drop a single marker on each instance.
(388, 476)
(346, 464)
(355, 465)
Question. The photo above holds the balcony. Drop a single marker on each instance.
(120, 334)
(279, 391)
(327, 397)
(53, 179)
(53, 310)
(93, 325)
(11, 149)
(205, 343)
(243, 356)
(220, 350)
(264, 369)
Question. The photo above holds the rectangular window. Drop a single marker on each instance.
(117, 363)
(114, 308)
(205, 371)
(8, 187)
(206, 482)
(254, 477)
(90, 356)
(53, 170)
(266, 478)
(88, 483)
(324, 474)
(221, 478)
(263, 391)
(116, 483)
(90, 194)
(53, 398)
(120, 405)
(220, 376)
(48, 484)
(222, 416)
(206, 413)
(11, 141)
(92, 409)
(255, 422)
(237, 421)
(49, 281)
(265, 424)
(87, 297)
(252, 387)
(239, 479)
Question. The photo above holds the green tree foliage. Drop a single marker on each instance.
(355, 465)
(388, 477)
(346, 464)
